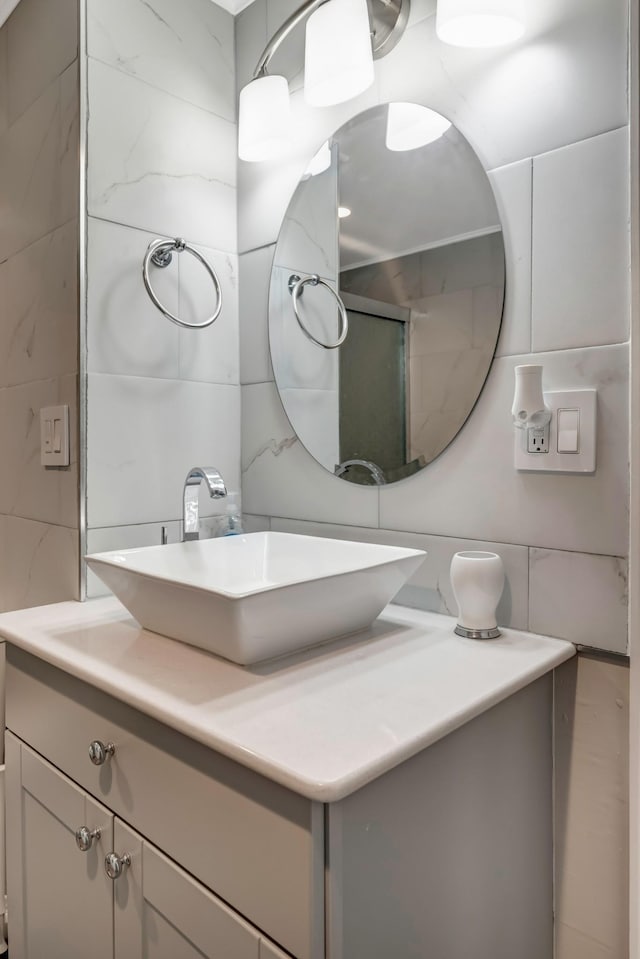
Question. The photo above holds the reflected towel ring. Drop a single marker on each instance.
(296, 286)
(159, 252)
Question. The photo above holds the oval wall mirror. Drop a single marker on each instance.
(386, 294)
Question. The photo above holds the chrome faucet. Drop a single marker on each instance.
(217, 489)
(376, 472)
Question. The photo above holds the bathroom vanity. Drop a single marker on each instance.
(385, 795)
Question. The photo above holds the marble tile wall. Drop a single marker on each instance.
(39, 190)
(548, 118)
(161, 162)
(308, 374)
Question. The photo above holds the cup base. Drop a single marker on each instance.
(477, 633)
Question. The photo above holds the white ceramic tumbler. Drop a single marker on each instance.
(477, 579)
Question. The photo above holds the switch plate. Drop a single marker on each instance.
(54, 436)
(581, 461)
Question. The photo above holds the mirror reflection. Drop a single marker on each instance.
(386, 294)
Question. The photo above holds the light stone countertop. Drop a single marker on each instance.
(323, 722)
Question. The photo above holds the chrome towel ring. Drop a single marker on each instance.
(160, 253)
(296, 286)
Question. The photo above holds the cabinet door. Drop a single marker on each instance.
(162, 913)
(60, 899)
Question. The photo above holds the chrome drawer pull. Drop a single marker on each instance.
(85, 837)
(99, 753)
(115, 865)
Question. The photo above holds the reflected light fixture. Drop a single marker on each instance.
(320, 162)
(479, 23)
(342, 40)
(410, 126)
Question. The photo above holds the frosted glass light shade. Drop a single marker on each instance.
(264, 120)
(410, 126)
(338, 56)
(321, 161)
(479, 23)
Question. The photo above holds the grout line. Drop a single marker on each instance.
(564, 349)
(168, 93)
(531, 262)
(445, 536)
(151, 232)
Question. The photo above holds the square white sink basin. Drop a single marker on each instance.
(251, 597)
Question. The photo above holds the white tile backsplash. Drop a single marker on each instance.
(473, 491)
(126, 334)
(579, 597)
(185, 49)
(30, 174)
(254, 280)
(144, 436)
(125, 537)
(159, 163)
(430, 586)
(211, 354)
(162, 163)
(38, 563)
(280, 478)
(38, 331)
(512, 186)
(581, 244)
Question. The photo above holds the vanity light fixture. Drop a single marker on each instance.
(410, 126)
(264, 128)
(338, 59)
(479, 23)
(342, 40)
(343, 211)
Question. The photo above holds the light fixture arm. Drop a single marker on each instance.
(388, 22)
(281, 34)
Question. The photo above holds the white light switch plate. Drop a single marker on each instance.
(54, 436)
(584, 461)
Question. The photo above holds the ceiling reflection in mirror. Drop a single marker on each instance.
(386, 294)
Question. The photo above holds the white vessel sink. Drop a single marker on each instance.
(259, 595)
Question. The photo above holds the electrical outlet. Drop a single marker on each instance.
(538, 440)
(569, 441)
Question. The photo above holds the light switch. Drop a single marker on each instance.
(54, 436)
(572, 435)
(568, 431)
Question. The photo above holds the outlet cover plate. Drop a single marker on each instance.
(584, 461)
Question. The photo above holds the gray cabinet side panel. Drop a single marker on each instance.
(450, 855)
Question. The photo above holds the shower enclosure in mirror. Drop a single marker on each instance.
(395, 215)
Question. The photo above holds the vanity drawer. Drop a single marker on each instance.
(257, 845)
